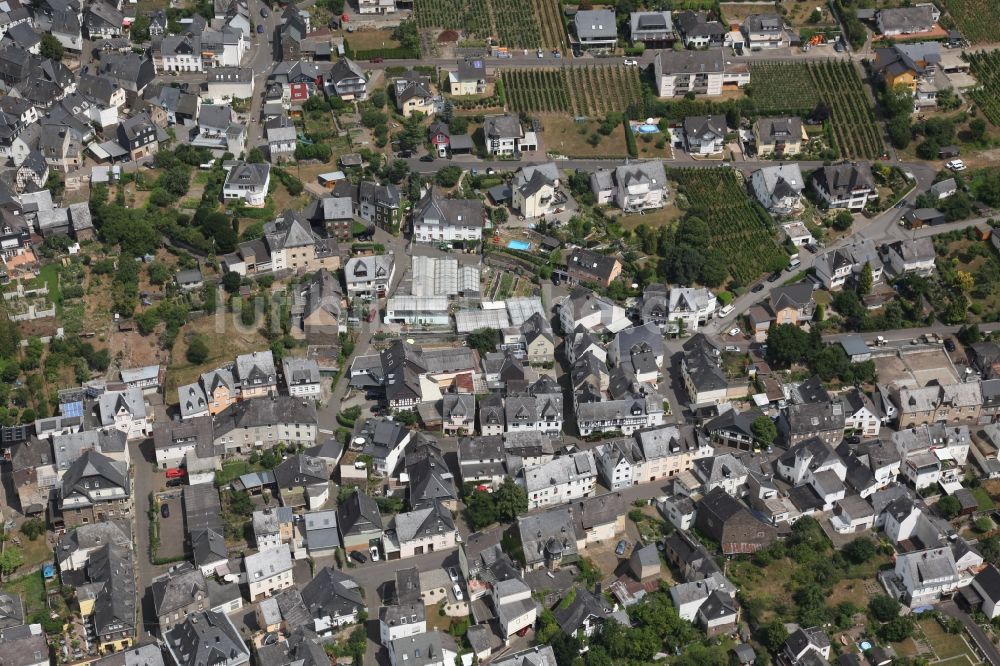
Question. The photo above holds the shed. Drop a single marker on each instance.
(947, 152)
(644, 562)
(461, 144)
(924, 216)
(856, 348)
(967, 500)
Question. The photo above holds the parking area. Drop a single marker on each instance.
(171, 527)
(916, 368)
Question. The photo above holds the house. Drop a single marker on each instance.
(302, 481)
(381, 205)
(458, 414)
(640, 350)
(702, 373)
(924, 577)
(347, 80)
(321, 533)
(540, 655)
(178, 594)
(229, 83)
(385, 443)
(724, 471)
(547, 538)
(537, 339)
(106, 596)
(987, 584)
(414, 95)
(667, 451)
(369, 276)
(779, 136)
(791, 304)
(138, 136)
(206, 637)
(921, 217)
(907, 20)
(932, 453)
(697, 31)
(248, 182)
(421, 531)
(913, 66)
(654, 29)
(915, 255)
(764, 31)
(359, 522)
(677, 73)
(535, 190)
(469, 78)
(848, 185)
(273, 527)
(956, 403)
(95, 488)
(626, 414)
(595, 29)
(726, 521)
(705, 135)
(428, 476)
(437, 220)
(835, 267)
(688, 308)
(481, 460)
(268, 572)
(503, 134)
(632, 187)
(401, 620)
(432, 648)
(301, 376)
(583, 616)
(560, 480)
(515, 608)
(594, 313)
(823, 420)
(586, 266)
(26, 645)
(709, 602)
(102, 21)
(616, 461)
(944, 188)
(860, 414)
(263, 422)
(779, 188)
(805, 646)
(281, 139)
(255, 375)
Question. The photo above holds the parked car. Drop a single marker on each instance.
(949, 344)
(812, 248)
(176, 473)
(539, 53)
(631, 62)
(404, 154)
(955, 165)
(774, 277)
(358, 557)
(734, 331)
(620, 549)
(263, 12)
(165, 510)
(757, 289)
(458, 592)
(174, 483)
(373, 551)
(731, 348)
(260, 29)
(427, 158)
(726, 311)
(453, 574)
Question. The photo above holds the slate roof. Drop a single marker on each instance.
(207, 637)
(332, 593)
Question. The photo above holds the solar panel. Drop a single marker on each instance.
(71, 409)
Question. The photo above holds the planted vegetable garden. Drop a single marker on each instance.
(591, 91)
(986, 69)
(741, 228)
(798, 88)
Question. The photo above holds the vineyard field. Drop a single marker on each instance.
(986, 69)
(976, 19)
(740, 227)
(516, 25)
(796, 89)
(591, 91)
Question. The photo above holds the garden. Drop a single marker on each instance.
(591, 91)
(830, 92)
(986, 68)
(740, 228)
(976, 19)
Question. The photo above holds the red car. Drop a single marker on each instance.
(376, 60)
(176, 473)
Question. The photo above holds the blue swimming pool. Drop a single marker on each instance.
(519, 245)
(646, 128)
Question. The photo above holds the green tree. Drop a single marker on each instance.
(484, 340)
(786, 344)
(949, 506)
(10, 560)
(50, 47)
(159, 272)
(897, 629)
(764, 430)
(977, 130)
(866, 280)
(448, 176)
(33, 528)
(860, 550)
(482, 509)
(843, 220)
(511, 500)
(197, 351)
(773, 635)
(231, 282)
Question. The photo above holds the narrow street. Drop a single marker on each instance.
(979, 637)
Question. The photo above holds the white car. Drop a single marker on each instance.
(631, 62)
(726, 311)
(458, 592)
(734, 331)
(956, 165)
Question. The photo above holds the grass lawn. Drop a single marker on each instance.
(226, 339)
(233, 469)
(946, 646)
(655, 219)
(31, 588)
(364, 40)
(35, 552)
(985, 501)
(565, 136)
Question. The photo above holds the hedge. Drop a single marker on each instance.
(398, 53)
(633, 150)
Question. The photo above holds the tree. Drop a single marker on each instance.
(448, 176)
(511, 500)
(883, 607)
(10, 560)
(231, 282)
(50, 47)
(498, 216)
(786, 344)
(484, 340)
(866, 280)
(197, 351)
(897, 629)
(949, 507)
(255, 156)
(481, 508)
(843, 220)
(860, 550)
(33, 528)
(773, 635)
(764, 430)
(964, 281)
(977, 130)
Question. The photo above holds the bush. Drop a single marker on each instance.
(197, 351)
(33, 528)
(633, 149)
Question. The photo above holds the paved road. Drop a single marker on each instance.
(979, 637)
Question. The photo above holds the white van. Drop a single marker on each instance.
(726, 311)
(793, 264)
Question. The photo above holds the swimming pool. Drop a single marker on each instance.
(865, 646)
(646, 128)
(519, 245)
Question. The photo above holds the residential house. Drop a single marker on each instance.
(924, 577)
(281, 139)
(458, 414)
(106, 596)
(359, 522)
(259, 423)
(178, 594)
(852, 514)
(515, 607)
(302, 481)
(943, 403)
(369, 276)
(632, 187)
(907, 20)
(697, 31)
(24, 645)
(779, 188)
(321, 533)
(428, 476)
(724, 471)
(639, 349)
(547, 538)
(401, 620)
(347, 80)
(806, 646)
(705, 135)
(381, 205)
(138, 136)
(102, 21)
(626, 414)
(583, 265)
(229, 83)
(481, 460)
(414, 95)
(593, 312)
(424, 530)
(249, 182)
(469, 78)
(616, 462)
(779, 136)
(987, 585)
(432, 648)
(943, 188)
(688, 308)
(255, 375)
(273, 527)
(932, 453)
(764, 31)
(560, 480)
(791, 304)
(654, 29)
(583, 616)
(914, 255)
(835, 267)
(437, 220)
(302, 376)
(710, 602)
(335, 214)
(95, 488)
(503, 134)
(206, 635)
(677, 73)
(847, 185)
(823, 420)
(268, 572)
(385, 443)
(814, 463)
(535, 190)
(667, 451)
(595, 29)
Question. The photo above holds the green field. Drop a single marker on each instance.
(591, 91)
(976, 19)
(986, 69)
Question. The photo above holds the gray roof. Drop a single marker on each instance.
(907, 19)
(24, 644)
(207, 547)
(178, 588)
(250, 174)
(433, 519)
(267, 563)
(423, 649)
(595, 24)
(321, 530)
(207, 637)
(841, 179)
(359, 514)
(698, 126)
(564, 469)
(780, 129)
(332, 593)
(299, 371)
(540, 655)
(692, 62)
(502, 126)
(650, 22)
(453, 212)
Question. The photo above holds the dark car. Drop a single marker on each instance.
(812, 248)
(165, 510)
(375, 60)
(854, 440)
(358, 557)
(260, 29)
(949, 344)
(174, 483)
(427, 158)
(263, 12)
(620, 549)
(774, 277)
(757, 289)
